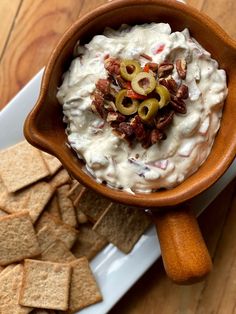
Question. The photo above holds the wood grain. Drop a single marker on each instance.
(220, 11)
(29, 31)
(37, 28)
(8, 14)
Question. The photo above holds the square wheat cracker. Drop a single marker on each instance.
(75, 190)
(88, 243)
(17, 238)
(60, 178)
(32, 199)
(46, 237)
(57, 252)
(42, 311)
(45, 285)
(7, 269)
(84, 290)
(52, 162)
(66, 206)
(3, 213)
(21, 165)
(91, 204)
(53, 207)
(63, 232)
(11, 202)
(10, 285)
(122, 226)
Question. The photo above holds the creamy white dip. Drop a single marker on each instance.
(189, 139)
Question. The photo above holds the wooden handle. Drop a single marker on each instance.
(184, 252)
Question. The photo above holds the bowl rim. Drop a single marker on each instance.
(139, 199)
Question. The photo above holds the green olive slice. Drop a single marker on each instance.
(148, 109)
(125, 105)
(129, 68)
(143, 83)
(164, 95)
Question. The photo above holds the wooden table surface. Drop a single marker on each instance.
(29, 30)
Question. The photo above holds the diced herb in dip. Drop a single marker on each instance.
(189, 139)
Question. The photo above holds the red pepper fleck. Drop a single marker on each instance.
(160, 48)
(132, 94)
(146, 68)
(128, 85)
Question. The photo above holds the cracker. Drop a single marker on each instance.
(13, 202)
(52, 162)
(84, 290)
(41, 311)
(46, 236)
(60, 178)
(32, 199)
(122, 226)
(3, 213)
(66, 206)
(63, 232)
(45, 285)
(39, 197)
(17, 238)
(75, 190)
(57, 252)
(9, 292)
(53, 207)
(88, 242)
(2, 187)
(21, 165)
(91, 204)
(7, 269)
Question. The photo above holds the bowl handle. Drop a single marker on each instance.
(185, 256)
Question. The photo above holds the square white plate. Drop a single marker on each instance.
(114, 271)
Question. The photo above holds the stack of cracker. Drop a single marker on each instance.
(50, 227)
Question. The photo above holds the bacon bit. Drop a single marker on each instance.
(134, 95)
(160, 48)
(97, 105)
(146, 68)
(146, 142)
(103, 85)
(126, 128)
(112, 65)
(115, 116)
(156, 136)
(144, 55)
(138, 127)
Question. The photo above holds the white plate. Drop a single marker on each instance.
(114, 271)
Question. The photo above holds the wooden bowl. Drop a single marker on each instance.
(44, 127)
